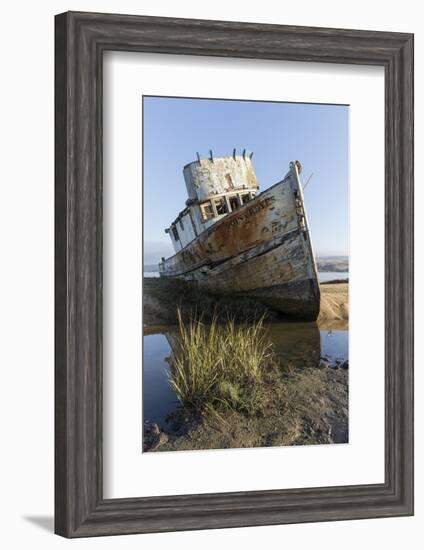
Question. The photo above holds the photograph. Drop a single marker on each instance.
(245, 273)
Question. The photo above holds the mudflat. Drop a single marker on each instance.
(307, 406)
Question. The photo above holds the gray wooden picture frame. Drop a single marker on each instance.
(80, 40)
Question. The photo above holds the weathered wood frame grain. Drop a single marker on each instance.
(80, 40)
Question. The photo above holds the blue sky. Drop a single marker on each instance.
(277, 133)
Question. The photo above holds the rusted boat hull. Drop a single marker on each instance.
(262, 249)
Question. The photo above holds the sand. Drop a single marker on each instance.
(334, 302)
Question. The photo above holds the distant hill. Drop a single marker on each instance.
(333, 263)
(150, 268)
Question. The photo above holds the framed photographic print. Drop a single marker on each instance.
(234, 274)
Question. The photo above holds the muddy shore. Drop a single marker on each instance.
(306, 406)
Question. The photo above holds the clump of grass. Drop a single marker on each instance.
(218, 366)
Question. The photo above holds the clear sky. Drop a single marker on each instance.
(277, 133)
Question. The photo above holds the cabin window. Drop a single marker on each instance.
(229, 181)
(206, 210)
(221, 206)
(182, 225)
(234, 202)
(175, 233)
(245, 198)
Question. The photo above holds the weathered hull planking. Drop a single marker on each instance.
(262, 249)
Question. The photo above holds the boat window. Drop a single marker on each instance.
(221, 206)
(245, 198)
(182, 225)
(234, 202)
(206, 210)
(175, 233)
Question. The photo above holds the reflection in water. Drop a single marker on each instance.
(297, 344)
(158, 397)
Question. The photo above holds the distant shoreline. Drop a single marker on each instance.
(335, 282)
(339, 264)
(324, 277)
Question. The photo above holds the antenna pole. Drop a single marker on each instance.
(309, 179)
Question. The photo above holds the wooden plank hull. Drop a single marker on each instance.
(262, 249)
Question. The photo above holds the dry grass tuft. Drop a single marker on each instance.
(221, 366)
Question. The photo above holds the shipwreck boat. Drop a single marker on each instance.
(231, 239)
